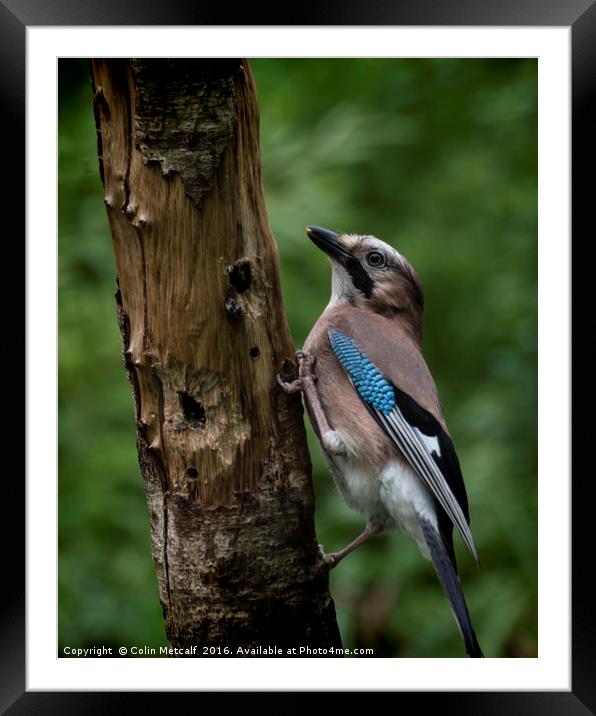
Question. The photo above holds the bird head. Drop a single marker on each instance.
(370, 274)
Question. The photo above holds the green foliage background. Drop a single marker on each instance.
(437, 157)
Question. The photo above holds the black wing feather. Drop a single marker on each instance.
(447, 462)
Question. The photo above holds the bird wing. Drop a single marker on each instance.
(413, 429)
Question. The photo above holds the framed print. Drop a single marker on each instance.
(523, 75)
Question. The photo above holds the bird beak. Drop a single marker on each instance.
(329, 242)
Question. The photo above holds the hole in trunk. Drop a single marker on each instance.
(193, 411)
(240, 275)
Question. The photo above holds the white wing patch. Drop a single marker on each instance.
(431, 442)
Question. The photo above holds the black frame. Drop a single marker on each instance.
(580, 16)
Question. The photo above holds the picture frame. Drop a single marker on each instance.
(580, 17)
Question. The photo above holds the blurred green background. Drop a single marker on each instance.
(437, 157)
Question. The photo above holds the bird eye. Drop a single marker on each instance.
(375, 259)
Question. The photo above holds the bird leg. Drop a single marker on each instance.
(331, 439)
(306, 382)
(372, 528)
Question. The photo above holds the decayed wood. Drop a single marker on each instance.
(222, 449)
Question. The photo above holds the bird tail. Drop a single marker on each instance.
(450, 583)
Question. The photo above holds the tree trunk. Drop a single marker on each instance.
(222, 449)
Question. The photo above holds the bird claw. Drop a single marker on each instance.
(294, 387)
(306, 362)
(329, 559)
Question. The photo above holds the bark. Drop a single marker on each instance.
(221, 448)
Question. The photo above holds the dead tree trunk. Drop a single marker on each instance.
(222, 449)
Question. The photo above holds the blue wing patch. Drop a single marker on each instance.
(371, 385)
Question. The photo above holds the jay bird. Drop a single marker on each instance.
(375, 409)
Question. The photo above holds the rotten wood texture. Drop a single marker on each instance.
(222, 448)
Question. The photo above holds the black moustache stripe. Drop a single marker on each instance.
(361, 280)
